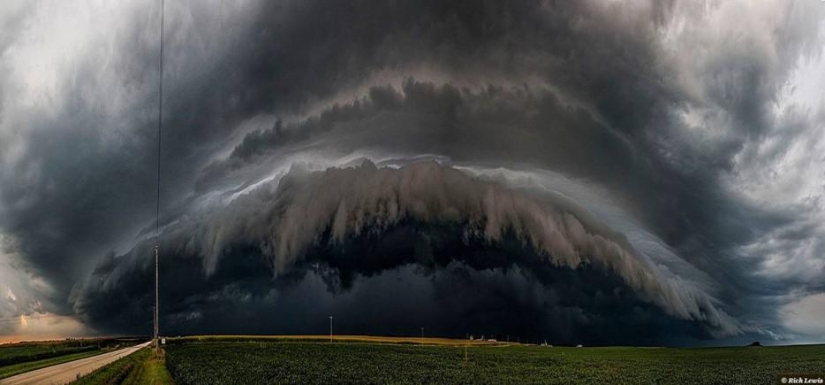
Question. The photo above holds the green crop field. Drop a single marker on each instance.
(22, 357)
(26, 356)
(256, 361)
(25, 352)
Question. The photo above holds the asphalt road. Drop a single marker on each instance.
(69, 371)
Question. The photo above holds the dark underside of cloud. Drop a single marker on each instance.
(421, 246)
(498, 292)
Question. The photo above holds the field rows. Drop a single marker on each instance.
(290, 362)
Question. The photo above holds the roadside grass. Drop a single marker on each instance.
(144, 367)
(13, 370)
(151, 372)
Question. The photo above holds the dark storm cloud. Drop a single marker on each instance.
(579, 306)
(638, 98)
(469, 126)
(359, 222)
(548, 268)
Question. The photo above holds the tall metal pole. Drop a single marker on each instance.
(330, 329)
(157, 209)
(157, 300)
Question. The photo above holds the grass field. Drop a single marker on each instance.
(27, 356)
(234, 360)
(33, 351)
(11, 370)
(141, 368)
(22, 357)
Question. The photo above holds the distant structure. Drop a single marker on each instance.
(157, 209)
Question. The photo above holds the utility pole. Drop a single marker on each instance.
(157, 209)
(330, 329)
(157, 301)
(422, 336)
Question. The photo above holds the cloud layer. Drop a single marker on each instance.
(343, 217)
(670, 148)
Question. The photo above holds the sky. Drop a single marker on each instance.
(589, 172)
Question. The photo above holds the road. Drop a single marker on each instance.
(69, 371)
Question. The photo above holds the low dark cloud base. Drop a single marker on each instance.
(381, 276)
(413, 276)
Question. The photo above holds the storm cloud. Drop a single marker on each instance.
(363, 220)
(575, 164)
